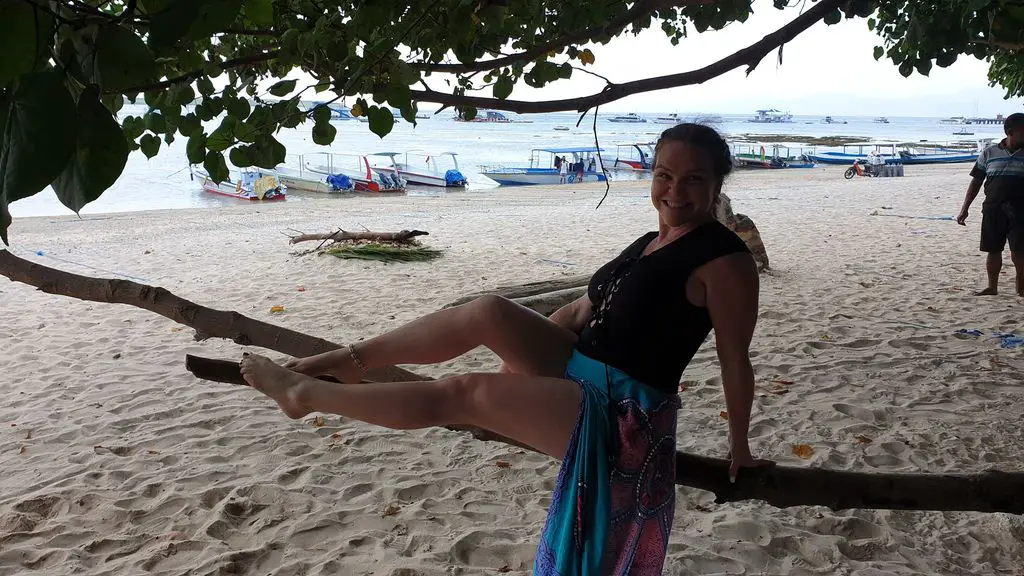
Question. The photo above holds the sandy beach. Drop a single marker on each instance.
(117, 461)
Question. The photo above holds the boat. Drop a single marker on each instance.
(631, 118)
(562, 128)
(936, 156)
(881, 120)
(541, 169)
(830, 120)
(633, 156)
(489, 116)
(419, 167)
(893, 154)
(963, 132)
(771, 116)
(668, 119)
(332, 172)
(954, 120)
(250, 184)
(755, 155)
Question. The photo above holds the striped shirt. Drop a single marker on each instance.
(1003, 172)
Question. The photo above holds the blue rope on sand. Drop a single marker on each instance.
(105, 271)
(1006, 339)
(945, 218)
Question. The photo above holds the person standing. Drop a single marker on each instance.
(563, 170)
(1000, 168)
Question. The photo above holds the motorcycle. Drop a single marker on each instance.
(860, 167)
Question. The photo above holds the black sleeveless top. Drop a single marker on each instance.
(641, 321)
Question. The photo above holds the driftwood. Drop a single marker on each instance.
(777, 485)
(784, 486)
(402, 237)
(530, 289)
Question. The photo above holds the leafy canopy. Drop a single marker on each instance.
(69, 66)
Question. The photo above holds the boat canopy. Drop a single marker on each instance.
(583, 150)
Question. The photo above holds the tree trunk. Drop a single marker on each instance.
(530, 289)
(784, 486)
(780, 486)
(401, 237)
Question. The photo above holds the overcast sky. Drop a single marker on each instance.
(826, 70)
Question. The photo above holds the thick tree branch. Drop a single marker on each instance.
(639, 9)
(780, 486)
(750, 57)
(196, 74)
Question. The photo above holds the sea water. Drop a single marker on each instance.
(164, 181)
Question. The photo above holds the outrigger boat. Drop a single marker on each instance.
(252, 184)
(893, 154)
(331, 172)
(634, 156)
(542, 167)
(758, 156)
(426, 171)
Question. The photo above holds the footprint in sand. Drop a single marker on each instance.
(862, 414)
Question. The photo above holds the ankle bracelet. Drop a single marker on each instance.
(355, 358)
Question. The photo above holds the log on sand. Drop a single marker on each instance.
(403, 237)
(782, 486)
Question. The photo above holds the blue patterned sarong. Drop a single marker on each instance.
(614, 499)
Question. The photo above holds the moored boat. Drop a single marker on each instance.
(771, 116)
(249, 184)
(633, 156)
(631, 118)
(422, 168)
(542, 170)
(668, 119)
(343, 172)
(772, 157)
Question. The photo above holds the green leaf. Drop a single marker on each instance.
(324, 133)
(133, 127)
(833, 17)
(321, 114)
(195, 149)
(924, 66)
(213, 17)
(237, 107)
(282, 88)
(189, 125)
(205, 86)
(113, 102)
(155, 123)
(267, 152)
(39, 135)
(181, 95)
(150, 145)
(871, 23)
(122, 59)
(906, 68)
(879, 52)
(503, 87)
(26, 38)
(261, 12)
(409, 112)
(216, 167)
(240, 156)
(381, 120)
(223, 137)
(468, 112)
(99, 158)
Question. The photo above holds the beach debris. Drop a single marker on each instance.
(318, 420)
(336, 436)
(23, 450)
(504, 569)
(503, 464)
(380, 246)
(804, 451)
(402, 237)
(861, 439)
(384, 252)
(1006, 339)
(276, 309)
(724, 415)
(687, 384)
(967, 332)
(391, 510)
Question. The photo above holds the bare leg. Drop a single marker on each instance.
(1018, 265)
(527, 342)
(993, 265)
(538, 411)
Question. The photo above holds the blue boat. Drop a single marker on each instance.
(891, 154)
(542, 167)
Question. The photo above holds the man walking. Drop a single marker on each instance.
(1001, 169)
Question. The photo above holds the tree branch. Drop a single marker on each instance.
(640, 9)
(750, 56)
(195, 74)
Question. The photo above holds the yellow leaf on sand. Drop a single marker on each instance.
(276, 309)
(502, 464)
(863, 439)
(803, 450)
(318, 421)
(723, 415)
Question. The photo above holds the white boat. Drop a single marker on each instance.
(423, 168)
(831, 120)
(332, 172)
(541, 169)
(881, 120)
(668, 119)
(954, 120)
(633, 156)
(562, 128)
(631, 118)
(249, 184)
(771, 116)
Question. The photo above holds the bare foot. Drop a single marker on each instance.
(337, 363)
(275, 381)
(988, 292)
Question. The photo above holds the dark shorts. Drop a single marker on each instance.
(1002, 222)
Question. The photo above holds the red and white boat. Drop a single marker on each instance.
(331, 172)
(251, 184)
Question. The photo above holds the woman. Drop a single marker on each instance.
(595, 384)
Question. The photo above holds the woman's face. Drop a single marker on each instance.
(685, 186)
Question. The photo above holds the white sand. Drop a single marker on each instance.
(116, 461)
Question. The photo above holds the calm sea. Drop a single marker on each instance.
(164, 181)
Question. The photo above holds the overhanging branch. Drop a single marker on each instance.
(196, 74)
(750, 57)
(639, 10)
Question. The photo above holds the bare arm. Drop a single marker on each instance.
(732, 287)
(972, 192)
(574, 315)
